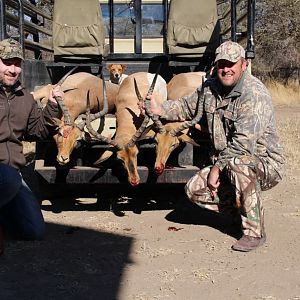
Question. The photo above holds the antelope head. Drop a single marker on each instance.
(68, 135)
(170, 135)
(127, 152)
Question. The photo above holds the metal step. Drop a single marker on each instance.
(91, 175)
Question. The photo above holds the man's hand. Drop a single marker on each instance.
(213, 180)
(156, 108)
(56, 91)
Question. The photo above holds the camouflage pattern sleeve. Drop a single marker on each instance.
(181, 109)
(251, 124)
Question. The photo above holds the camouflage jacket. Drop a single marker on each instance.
(240, 123)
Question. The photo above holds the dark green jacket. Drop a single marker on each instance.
(22, 119)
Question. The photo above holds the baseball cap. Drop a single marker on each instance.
(230, 51)
(10, 48)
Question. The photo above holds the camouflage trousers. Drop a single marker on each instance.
(241, 183)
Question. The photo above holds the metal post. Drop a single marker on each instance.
(111, 26)
(138, 27)
(21, 34)
(165, 26)
(21, 25)
(250, 53)
(233, 21)
(34, 19)
(3, 33)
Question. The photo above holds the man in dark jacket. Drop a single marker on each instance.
(20, 118)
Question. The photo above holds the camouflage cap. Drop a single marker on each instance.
(230, 51)
(10, 48)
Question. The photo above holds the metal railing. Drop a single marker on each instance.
(237, 24)
(13, 14)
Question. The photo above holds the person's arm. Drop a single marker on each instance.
(176, 110)
(252, 117)
(41, 121)
(213, 180)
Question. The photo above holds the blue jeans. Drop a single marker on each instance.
(20, 212)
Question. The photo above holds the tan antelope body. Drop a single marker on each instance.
(76, 87)
(169, 137)
(129, 119)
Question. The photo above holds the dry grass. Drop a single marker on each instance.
(288, 94)
(286, 99)
(288, 124)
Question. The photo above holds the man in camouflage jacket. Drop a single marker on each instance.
(20, 118)
(246, 153)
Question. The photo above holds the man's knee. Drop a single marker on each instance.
(10, 183)
(9, 175)
(32, 233)
(196, 187)
(243, 170)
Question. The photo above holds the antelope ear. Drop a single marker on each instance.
(105, 156)
(187, 139)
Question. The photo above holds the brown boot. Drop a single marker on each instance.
(247, 243)
(1, 241)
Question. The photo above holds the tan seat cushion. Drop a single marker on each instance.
(78, 29)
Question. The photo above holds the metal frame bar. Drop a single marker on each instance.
(138, 27)
(111, 26)
(250, 51)
(233, 21)
(3, 33)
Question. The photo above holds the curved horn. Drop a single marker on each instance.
(138, 94)
(104, 110)
(65, 111)
(138, 133)
(149, 113)
(195, 120)
(152, 86)
(60, 101)
(91, 130)
(142, 128)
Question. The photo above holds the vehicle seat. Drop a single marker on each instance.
(193, 28)
(78, 30)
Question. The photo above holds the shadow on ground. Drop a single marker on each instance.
(189, 213)
(71, 263)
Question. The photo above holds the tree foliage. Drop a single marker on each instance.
(277, 35)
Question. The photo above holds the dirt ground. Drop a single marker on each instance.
(162, 248)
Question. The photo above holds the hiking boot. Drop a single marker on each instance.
(247, 243)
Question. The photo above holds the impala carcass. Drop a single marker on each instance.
(77, 87)
(130, 122)
(169, 135)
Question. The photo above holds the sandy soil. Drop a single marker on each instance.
(162, 248)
